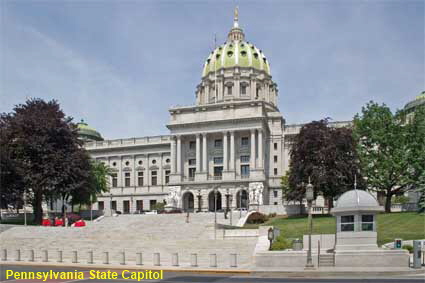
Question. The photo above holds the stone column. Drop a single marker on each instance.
(252, 156)
(204, 154)
(260, 148)
(173, 155)
(232, 151)
(225, 154)
(198, 153)
(179, 155)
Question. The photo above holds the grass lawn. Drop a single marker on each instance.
(404, 225)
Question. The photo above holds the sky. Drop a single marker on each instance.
(120, 65)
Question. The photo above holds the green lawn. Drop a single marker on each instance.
(404, 225)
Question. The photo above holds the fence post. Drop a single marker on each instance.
(175, 259)
(213, 260)
(4, 255)
(74, 257)
(60, 256)
(194, 260)
(90, 257)
(139, 258)
(45, 256)
(31, 255)
(105, 257)
(156, 259)
(122, 262)
(18, 255)
(233, 260)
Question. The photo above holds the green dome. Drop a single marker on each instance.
(87, 133)
(236, 54)
(420, 100)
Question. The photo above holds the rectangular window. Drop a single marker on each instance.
(192, 172)
(275, 146)
(100, 205)
(192, 162)
(275, 171)
(275, 193)
(139, 205)
(244, 141)
(218, 143)
(347, 223)
(218, 171)
(192, 145)
(167, 176)
(275, 203)
(126, 205)
(114, 180)
(244, 158)
(275, 159)
(218, 160)
(114, 205)
(140, 178)
(229, 90)
(127, 179)
(154, 178)
(152, 203)
(367, 222)
(243, 89)
(244, 170)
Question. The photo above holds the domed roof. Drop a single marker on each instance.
(420, 99)
(356, 200)
(86, 133)
(236, 52)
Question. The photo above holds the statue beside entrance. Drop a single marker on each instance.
(174, 198)
(255, 195)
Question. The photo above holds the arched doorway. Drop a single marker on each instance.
(188, 202)
(242, 199)
(212, 200)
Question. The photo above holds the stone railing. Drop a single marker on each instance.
(128, 142)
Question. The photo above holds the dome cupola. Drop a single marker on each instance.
(86, 133)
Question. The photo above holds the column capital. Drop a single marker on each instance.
(252, 131)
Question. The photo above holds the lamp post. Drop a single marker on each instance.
(270, 236)
(309, 197)
(227, 203)
(199, 200)
(230, 200)
(215, 213)
(25, 210)
(110, 204)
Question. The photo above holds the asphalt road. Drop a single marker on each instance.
(180, 277)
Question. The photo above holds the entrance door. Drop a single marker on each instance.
(242, 199)
(126, 205)
(214, 201)
(188, 202)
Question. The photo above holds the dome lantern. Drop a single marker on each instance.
(87, 133)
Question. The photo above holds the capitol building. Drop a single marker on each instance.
(230, 149)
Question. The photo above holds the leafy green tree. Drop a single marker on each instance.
(391, 149)
(47, 155)
(292, 193)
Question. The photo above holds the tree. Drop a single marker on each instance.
(292, 193)
(327, 156)
(391, 149)
(46, 153)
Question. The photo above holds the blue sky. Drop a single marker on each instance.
(121, 64)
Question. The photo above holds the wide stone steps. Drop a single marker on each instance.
(327, 260)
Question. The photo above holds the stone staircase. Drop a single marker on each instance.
(327, 259)
(163, 233)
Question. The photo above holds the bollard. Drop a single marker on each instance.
(74, 257)
(233, 260)
(4, 255)
(156, 259)
(194, 260)
(105, 257)
(139, 259)
(18, 255)
(45, 257)
(60, 256)
(213, 260)
(175, 259)
(31, 255)
(90, 257)
(122, 258)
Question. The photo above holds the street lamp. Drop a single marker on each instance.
(270, 236)
(199, 200)
(310, 198)
(215, 213)
(25, 210)
(231, 200)
(110, 204)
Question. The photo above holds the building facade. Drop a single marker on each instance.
(229, 149)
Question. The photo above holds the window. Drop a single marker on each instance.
(229, 90)
(127, 179)
(244, 158)
(114, 180)
(139, 205)
(243, 89)
(367, 222)
(218, 143)
(140, 179)
(275, 146)
(152, 203)
(218, 160)
(275, 203)
(244, 141)
(127, 163)
(114, 205)
(192, 171)
(114, 164)
(244, 170)
(275, 171)
(347, 223)
(126, 206)
(140, 162)
(167, 160)
(192, 145)
(275, 159)
(167, 176)
(153, 161)
(192, 162)
(154, 178)
(275, 193)
(100, 205)
(218, 171)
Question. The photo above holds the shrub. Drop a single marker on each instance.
(281, 243)
(408, 247)
(158, 206)
(256, 218)
(272, 215)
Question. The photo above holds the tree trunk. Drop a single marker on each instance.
(38, 208)
(330, 204)
(301, 206)
(388, 202)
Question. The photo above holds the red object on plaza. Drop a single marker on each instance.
(80, 223)
(58, 222)
(46, 222)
